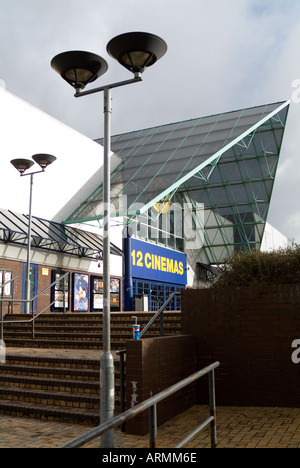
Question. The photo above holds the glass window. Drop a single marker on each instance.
(158, 294)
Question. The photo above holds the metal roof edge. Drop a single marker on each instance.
(97, 140)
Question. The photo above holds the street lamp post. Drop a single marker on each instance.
(22, 165)
(135, 51)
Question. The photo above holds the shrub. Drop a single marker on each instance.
(255, 267)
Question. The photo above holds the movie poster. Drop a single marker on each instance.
(80, 292)
(115, 294)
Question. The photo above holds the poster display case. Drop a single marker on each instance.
(60, 287)
(97, 294)
(80, 296)
(82, 292)
(5, 284)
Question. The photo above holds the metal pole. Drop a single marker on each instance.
(122, 384)
(107, 380)
(128, 286)
(64, 294)
(213, 410)
(33, 324)
(27, 279)
(153, 426)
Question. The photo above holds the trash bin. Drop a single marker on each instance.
(141, 303)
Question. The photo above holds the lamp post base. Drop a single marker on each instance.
(107, 396)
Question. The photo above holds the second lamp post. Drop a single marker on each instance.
(22, 165)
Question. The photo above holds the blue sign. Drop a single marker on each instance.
(149, 261)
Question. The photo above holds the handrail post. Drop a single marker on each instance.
(212, 405)
(153, 426)
(64, 293)
(162, 331)
(33, 328)
(122, 384)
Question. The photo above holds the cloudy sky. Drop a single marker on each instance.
(222, 55)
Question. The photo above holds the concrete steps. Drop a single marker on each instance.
(42, 381)
(52, 389)
(82, 331)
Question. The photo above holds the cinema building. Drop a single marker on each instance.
(184, 197)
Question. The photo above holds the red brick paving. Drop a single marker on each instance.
(236, 428)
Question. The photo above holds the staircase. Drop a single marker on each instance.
(51, 389)
(83, 331)
(61, 387)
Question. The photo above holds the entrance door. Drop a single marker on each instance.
(33, 275)
(157, 293)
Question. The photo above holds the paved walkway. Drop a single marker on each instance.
(237, 427)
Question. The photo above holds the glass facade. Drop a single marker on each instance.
(221, 167)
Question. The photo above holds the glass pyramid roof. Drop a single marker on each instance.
(157, 161)
(227, 162)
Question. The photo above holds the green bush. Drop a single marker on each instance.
(255, 267)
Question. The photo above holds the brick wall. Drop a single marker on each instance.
(44, 279)
(250, 331)
(16, 268)
(152, 365)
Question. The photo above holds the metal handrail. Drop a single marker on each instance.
(34, 316)
(158, 313)
(8, 281)
(151, 404)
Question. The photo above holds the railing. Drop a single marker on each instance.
(151, 404)
(158, 314)
(32, 300)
